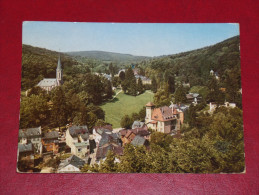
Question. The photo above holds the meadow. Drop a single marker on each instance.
(124, 104)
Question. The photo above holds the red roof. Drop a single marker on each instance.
(162, 114)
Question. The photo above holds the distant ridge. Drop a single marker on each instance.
(106, 56)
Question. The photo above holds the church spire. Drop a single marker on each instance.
(59, 63)
(59, 72)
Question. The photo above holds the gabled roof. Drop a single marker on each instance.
(129, 132)
(48, 82)
(141, 131)
(73, 160)
(101, 129)
(103, 151)
(107, 138)
(74, 131)
(192, 95)
(25, 147)
(123, 132)
(137, 124)
(51, 135)
(138, 141)
(30, 132)
(162, 114)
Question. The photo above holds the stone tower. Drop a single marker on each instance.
(149, 108)
(59, 73)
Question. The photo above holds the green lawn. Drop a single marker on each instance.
(124, 104)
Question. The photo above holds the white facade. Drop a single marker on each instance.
(70, 141)
(69, 169)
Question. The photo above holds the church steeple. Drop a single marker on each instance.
(59, 72)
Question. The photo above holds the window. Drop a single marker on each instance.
(79, 150)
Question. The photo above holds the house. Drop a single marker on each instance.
(98, 131)
(50, 142)
(137, 124)
(127, 137)
(163, 119)
(193, 98)
(213, 106)
(212, 73)
(103, 135)
(77, 138)
(139, 141)
(143, 132)
(107, 76)
(25, 151)
(102, 152)
(49, 83)
(25, 157)
(73, 164)
(144, 79)
(31, 135)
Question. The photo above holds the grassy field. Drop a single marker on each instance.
(124, 104)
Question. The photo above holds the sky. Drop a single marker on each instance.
(142, 39)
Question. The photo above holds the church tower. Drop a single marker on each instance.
(59, 73)
(149, 109)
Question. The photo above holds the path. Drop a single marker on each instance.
(116, 94)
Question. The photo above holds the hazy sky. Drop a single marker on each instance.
(146, 39)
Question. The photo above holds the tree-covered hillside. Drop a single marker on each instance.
(107, 56)
(194, 66)
(39, 63)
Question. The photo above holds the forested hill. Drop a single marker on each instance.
(194, 66)
(39, 63)
(107, 56)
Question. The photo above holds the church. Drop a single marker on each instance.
(49, 83)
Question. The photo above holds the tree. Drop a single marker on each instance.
(154, 85)
(126, 122)
(115, 81)
(162, 98)
(100, 123)
(133, 87)
(171, 83)
(140, 87)
(34, 111)
(133, 159)
(109, 165)
(108, 89)
(122, 75)
(180, 95)
(59, 111)
(232, 85)
(192, 116)
(36, 90)
(142, 114)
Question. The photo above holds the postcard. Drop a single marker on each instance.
(130, 98)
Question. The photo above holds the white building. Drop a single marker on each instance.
(49, 83)
(31, 135)
(77, 138)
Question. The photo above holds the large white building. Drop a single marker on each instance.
(49, 83)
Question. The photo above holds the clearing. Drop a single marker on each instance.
(124, 104)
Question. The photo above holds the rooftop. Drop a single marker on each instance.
(30, 132)
(138, 141)
(74, 131)
(150, 104)
(51, 135)
(25, 147)
(48, 82)
(73, 160)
